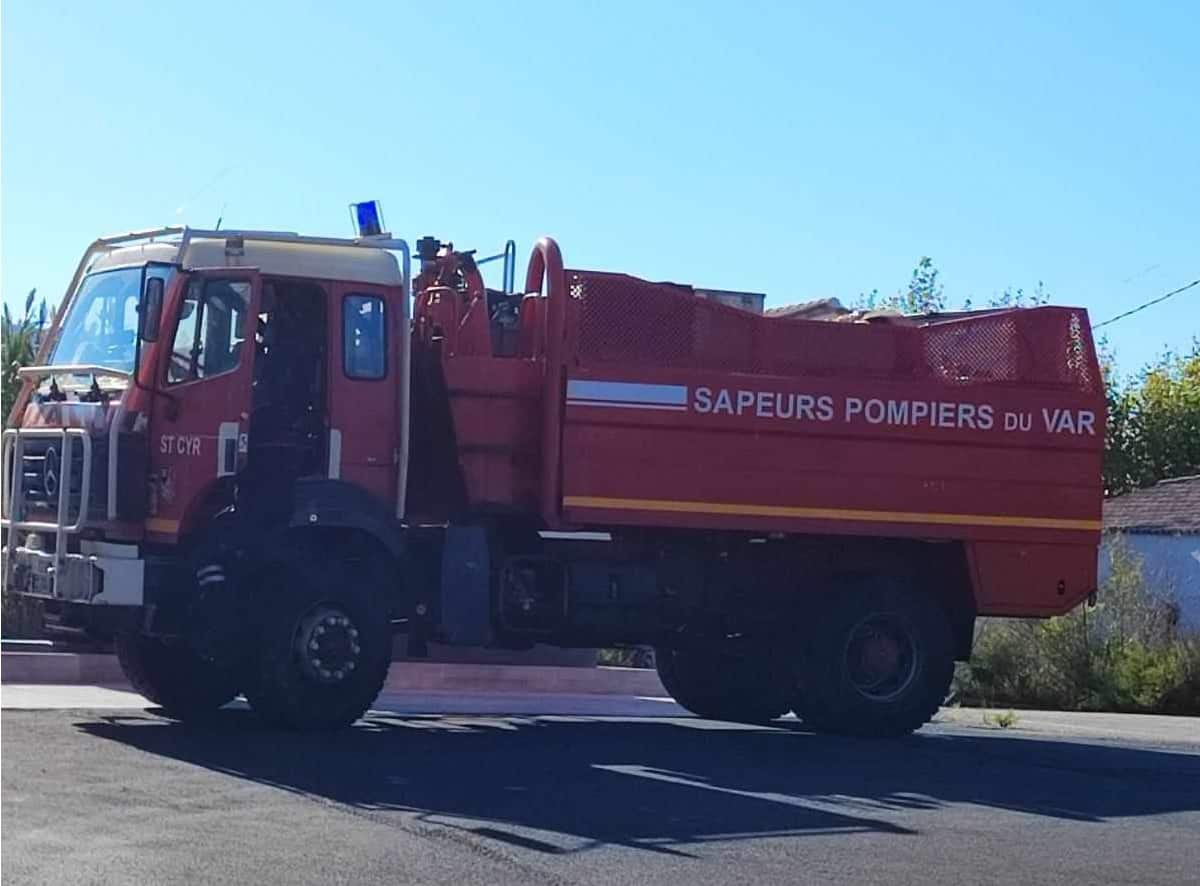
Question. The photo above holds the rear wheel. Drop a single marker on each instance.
(724, 683)
(325, 644)
(877, 662)
(186, 686)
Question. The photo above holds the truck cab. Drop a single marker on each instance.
(191, 376)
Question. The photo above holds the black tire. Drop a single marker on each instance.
(185, 686)
(742, 686)
(876, 661)
(301, 595)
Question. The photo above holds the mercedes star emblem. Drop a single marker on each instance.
(50, 468)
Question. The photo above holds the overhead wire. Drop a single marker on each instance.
(1148, 304)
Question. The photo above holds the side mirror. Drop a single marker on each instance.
(151, 312)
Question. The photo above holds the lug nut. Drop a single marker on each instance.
(355, 648)
(326, 674)
(314, 645)
(353, 633)
(349, 666)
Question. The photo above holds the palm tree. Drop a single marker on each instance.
(20, 338)
(19, 341)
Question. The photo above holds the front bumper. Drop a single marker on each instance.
(102, 573)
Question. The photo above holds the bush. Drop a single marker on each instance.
(1125, 654)
(21, 618)
(626, 657)
(1184, 696)
(20, 336)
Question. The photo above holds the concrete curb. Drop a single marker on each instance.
(423, 676)
(97, 669)
(60, 667)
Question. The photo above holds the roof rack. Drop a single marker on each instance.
(187, 234)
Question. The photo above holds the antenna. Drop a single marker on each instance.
(220, 215)
(208, 186)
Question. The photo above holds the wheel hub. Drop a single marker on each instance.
(327, 644)
(880, 658)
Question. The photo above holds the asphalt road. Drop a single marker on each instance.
(120, 796)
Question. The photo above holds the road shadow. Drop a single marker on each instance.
(665, 785)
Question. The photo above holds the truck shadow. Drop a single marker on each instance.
(565, 784)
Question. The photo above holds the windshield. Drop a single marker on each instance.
(101, 327)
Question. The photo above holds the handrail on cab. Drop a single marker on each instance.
(72, 369)
(546, 265)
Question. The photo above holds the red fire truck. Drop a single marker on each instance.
(253, 457)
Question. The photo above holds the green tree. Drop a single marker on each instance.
(1153, 422)
(924, 293)
(1019, 298)
(19, 340)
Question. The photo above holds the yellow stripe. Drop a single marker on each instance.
(714, 507)
(158, 524)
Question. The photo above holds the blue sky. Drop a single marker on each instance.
(801, 150)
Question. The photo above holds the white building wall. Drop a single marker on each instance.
(1170, 564)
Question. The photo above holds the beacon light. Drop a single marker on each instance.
(368, 218)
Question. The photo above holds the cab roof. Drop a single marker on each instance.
(282, 257)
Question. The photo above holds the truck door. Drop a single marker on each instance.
(200, 417)
(364, 374)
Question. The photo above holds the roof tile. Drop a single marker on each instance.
(1167, 506)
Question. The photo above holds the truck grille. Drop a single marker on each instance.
(43, 473)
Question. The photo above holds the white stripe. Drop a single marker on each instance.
(335, 454)
(227, 432)
(114, 437)
(626, 405)
(830, 804)
(627, 392)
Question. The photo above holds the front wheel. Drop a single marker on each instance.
(186, 686)
(877, 662)
(325, 644)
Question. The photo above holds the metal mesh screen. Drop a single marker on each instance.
(624, 321)
(971, 351)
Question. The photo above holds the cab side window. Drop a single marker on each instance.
(364, 336)
(211, 329)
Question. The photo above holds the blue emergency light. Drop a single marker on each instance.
(368, 218)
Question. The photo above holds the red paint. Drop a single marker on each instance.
(852, 428)
(999, 489)
(365, 411)
(546, 265)
(185, 417)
